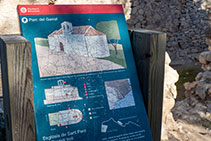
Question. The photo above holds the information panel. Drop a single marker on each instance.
(85, 84)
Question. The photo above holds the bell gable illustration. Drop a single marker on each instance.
(79, 40)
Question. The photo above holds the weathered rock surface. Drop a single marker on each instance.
(170, 93)
(201, 88)
(195, 109)
(208, 41)
(205, 57)
(185, 23)
(189, 119)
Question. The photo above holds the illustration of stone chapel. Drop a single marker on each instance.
(79, 40)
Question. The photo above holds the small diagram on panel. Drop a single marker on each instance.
(61, 93)
(66, 117)
(112, 125)
(119, 94)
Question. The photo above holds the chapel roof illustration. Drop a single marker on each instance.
(88, 30)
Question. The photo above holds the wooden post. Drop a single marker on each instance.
(149, 52)
(17, 88)
(1, 95)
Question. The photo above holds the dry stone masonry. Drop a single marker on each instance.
(190, 118)
(196, 107)
(198, 93)
(184, 21)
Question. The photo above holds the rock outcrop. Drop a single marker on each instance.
(195, 109)
(170, 93)
(198, 94)
(190, 118)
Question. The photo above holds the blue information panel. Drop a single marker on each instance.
(85, 84)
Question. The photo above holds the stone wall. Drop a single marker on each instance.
(195, 109)
(184, 21)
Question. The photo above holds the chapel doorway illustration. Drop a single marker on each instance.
(61, 46)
